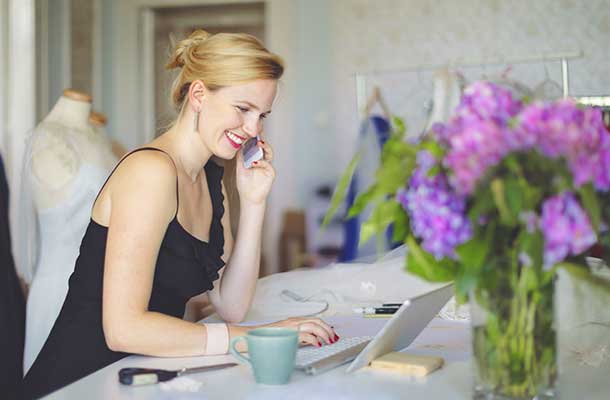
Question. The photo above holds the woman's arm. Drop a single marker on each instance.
(140, 211)
(234, 290)
(233, 294)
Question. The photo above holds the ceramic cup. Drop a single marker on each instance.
(272, 353)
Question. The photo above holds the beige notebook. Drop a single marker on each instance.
(408, 364)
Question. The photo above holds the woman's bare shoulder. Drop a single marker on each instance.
(143, 179)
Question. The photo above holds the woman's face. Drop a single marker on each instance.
(232, 115)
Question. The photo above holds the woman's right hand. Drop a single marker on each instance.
(312, 331)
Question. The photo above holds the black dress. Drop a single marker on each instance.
(12, 306)
(186, 266)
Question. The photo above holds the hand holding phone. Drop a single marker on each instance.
(251, 152)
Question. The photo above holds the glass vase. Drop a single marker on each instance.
(514, 341)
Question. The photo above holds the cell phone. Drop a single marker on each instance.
(251, 152)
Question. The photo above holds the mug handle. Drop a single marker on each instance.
(236, 353)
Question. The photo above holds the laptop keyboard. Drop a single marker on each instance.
(313, 360)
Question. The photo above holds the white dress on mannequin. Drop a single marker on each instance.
(68, 164)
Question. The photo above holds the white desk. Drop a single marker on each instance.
(453, 381)
(345, 286)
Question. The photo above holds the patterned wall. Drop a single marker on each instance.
(387, 34)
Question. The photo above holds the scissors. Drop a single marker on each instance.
(146, 376)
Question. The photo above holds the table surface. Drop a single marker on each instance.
(449, 339)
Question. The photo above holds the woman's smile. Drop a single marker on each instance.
(235, 140)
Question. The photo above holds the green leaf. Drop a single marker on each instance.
(499, 196)
(339, 194)
(483, 204)
(473, 252)
(590, 203)
(395, 148)
(514, 197)
(398, 126)
(435, 170)
(382, 216)
(434, 148)
(401, 226)
(472, 255)
(464, 283)
(533, 245)
(513, 165)
(531, 195)
(363, 200)
(426, 266)
(530, 279)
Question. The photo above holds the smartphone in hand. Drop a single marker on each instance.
(251, 152)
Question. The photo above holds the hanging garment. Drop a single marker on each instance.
(12, 306)
(185, 267)
(374, 132)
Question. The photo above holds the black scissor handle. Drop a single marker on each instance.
(144, 376)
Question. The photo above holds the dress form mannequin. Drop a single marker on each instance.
(66, 164)
(98, 122)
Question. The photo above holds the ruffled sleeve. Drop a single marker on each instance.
(215, 248)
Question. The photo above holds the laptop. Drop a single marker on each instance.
(398, 333)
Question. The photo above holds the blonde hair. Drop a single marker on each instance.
(221, 60)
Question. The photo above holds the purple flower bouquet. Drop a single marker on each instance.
(496, 200)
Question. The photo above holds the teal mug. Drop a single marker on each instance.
(272, 353)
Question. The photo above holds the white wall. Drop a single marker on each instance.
(315, 144)
(384, 34)
(314, 124)
(18, 90)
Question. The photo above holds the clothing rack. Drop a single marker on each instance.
(564, 58)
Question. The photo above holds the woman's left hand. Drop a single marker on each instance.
(254, 184)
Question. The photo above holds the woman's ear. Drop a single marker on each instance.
(197, 91)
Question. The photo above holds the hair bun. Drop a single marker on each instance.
(177, 60)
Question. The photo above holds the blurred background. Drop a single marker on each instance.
(337, 53)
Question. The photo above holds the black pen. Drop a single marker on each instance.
(382, 310)
(392, 305)
(375, 310)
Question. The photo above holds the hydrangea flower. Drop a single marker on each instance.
(566, 228)
(479, 146)
(436, 212)
(487, 101)
(481, 101)
(562, 129)
(477, 135)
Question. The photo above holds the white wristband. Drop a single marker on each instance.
(217, 339)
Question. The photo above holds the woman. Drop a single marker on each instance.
(160, 233)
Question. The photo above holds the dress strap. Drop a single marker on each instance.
(135, 151)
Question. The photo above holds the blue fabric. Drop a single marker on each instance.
(351, 228)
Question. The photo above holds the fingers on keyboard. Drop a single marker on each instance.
(321, 329)
(309, 338)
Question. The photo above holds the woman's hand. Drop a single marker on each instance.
(312, 331)
(254, 184)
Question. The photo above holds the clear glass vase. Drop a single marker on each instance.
(514, 341)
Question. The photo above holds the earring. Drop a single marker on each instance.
(196, 121)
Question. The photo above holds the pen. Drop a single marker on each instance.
(375, 310)
(377, 315)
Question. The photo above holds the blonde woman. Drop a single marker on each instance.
(159, 233)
